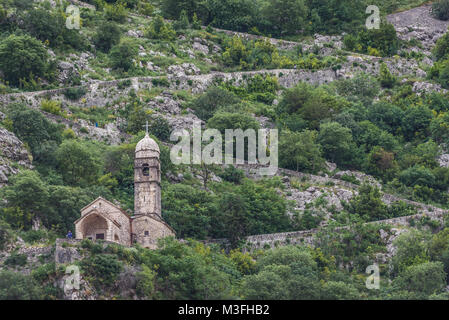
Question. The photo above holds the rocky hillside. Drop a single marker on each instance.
(363, 117)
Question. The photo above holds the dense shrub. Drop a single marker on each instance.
(75, 93)
(16, 286)
(337, 143)
(387, 80)
(232, 174)
(423, 279)
(16, 259)
(160, 128)
(105, 269)
(32, 127)
(440, 9)
(158, 29)
(51, 106)
(214, 98)
(229, 120)
(300, 151)
(116, 12)
(368, 204)
(50, 28)
(107, 36)
(6, 234)
(122, 54)
(441, 49)
(382, 41)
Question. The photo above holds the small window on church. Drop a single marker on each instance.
(147, 233)
(146, 169)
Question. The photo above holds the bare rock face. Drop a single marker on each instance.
(127, 282)
(66, 72)
(66, 252)
(332, 197)
(180, 122)
(135, 33)
(359, 176)
(183, 70)
(443, 160)
(12, 155)
(199, 46)
(426, 87)
(418, 23)
(165, 103)
(85, 291)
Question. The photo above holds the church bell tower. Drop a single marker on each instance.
(147, 178)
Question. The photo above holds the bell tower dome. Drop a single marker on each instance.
(147, 178)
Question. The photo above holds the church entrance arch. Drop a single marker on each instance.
(94, 227)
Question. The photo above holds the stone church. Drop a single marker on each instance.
(101, 219)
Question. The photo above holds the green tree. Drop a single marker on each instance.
(239, 15)
(370, 136)
(107, 36)
(440, 9)
(105, 269)
(300, 151)
(383, 40)
(35, 129)
(77, 163)
(339, 290)
(335, 16)
(411, 250)
(115, 12)
(122, 55)
(368, 204)
(417, 175)
(172, 8)
(423, 279)
(441, 49)
(312, 104)
(44, 26)
(336, 142)
(386, 116)
(286, 16)
(16, 286)
(361, 87)
(213, 99)
(145, 284)
(22, 57)
(381, 163)
(234, 210)
(439, 127)
(228, 120)
(18, 195)
(189, 210)
(284, 273)
(444, 76)
(416, 121)
(266, 285)
(6, 234)
(158, 29)
(387, 80)
(182, 22)
(191, 271)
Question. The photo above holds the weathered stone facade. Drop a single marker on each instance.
(103, 220)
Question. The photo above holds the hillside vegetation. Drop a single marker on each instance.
(362, 114)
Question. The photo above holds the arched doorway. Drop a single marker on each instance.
(94, 227)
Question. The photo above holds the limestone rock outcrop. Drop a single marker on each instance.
(13, 155)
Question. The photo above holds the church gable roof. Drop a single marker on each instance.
(99, 200)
